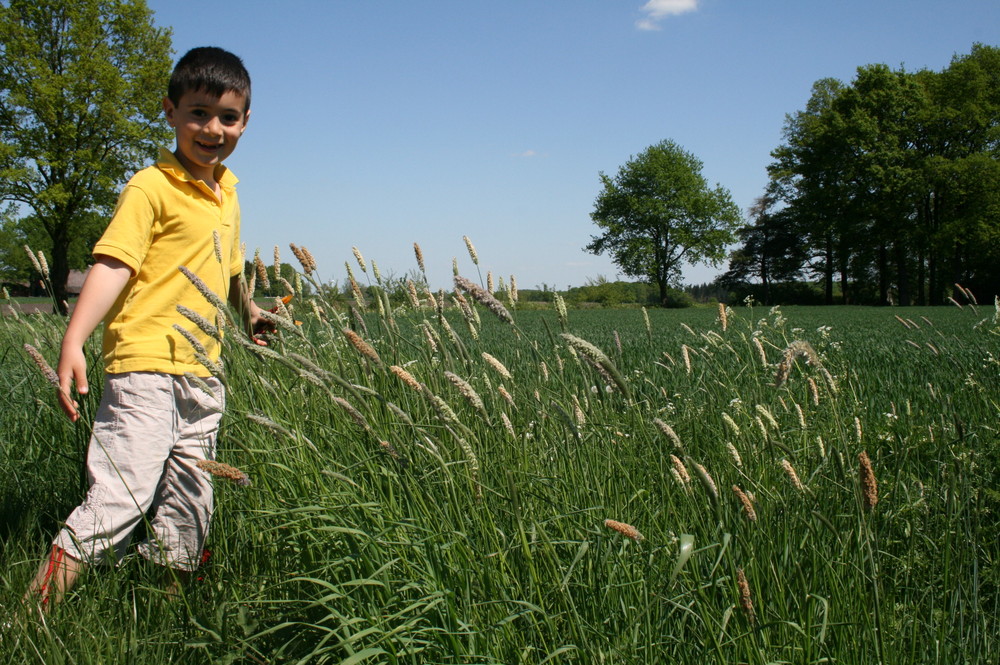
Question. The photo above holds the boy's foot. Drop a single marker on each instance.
(55, 577)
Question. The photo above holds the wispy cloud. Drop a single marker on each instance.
(657, 10)
(526, 154)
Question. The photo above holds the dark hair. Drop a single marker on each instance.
(212, 70)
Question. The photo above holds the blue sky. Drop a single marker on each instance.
(381, 124)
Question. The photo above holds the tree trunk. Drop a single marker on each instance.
(883, 274)
(828, 272)
(902, 274)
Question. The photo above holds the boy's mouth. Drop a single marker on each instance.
(209, 147)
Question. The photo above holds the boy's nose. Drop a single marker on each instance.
(213, 127)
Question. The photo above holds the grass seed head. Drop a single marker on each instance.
(406, 377)
(220, 470)
(206, 292)
(680, 470)
(792, 475)
(746, 602)
(869, 486)
(747, 504)
(43, 366)
(485, 298)
(362, 347)
(472, 250)
(708, 482)
(497, 366)
(624, 529)
(420, 257)
(735, 454)
(669, 432)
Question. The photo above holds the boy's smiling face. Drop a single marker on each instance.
(208, 129)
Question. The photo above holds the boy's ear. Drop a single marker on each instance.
(246, 119)
(168, 110)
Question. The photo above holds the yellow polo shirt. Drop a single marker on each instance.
(165, 219)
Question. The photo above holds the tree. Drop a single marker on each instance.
(659, 212)
(80, 89)
(773, 249)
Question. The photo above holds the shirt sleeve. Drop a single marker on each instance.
(130, 232)
(236, 257)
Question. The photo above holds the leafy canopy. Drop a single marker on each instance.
(80, 90)
(659, 212)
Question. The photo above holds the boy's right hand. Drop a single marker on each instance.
(72, 368)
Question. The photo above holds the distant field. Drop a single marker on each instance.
(612, 486)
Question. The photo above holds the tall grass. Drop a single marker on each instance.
(440, 485)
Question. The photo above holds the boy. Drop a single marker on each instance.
(156, 422)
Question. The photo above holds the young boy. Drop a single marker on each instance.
(155, 422)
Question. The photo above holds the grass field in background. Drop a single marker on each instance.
(435, 486)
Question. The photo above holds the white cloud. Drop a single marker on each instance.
(526, 153)
(657, 10)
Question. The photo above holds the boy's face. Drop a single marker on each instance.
(208, 129)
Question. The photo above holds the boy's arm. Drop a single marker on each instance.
(102, 287)
(239, 298)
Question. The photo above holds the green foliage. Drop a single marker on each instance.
(80, 90)
(889, 186)
(434, 520)
(658, 212)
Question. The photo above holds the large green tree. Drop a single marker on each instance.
(659, 212)
(80, 89)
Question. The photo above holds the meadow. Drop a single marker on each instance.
(455, 480)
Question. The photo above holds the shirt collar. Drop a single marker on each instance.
(168, 163)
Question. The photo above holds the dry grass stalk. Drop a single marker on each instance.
(217, 245)
(472, 250)
(304, 259)
(578, 414)
(669, 432)
(735, 454)
(484, 298)
(800, 414)
(599, 360)
(761, 353)
(792, 475)
(411, 291)
(355, 415)
(467, 391)
(723, 317)
(680, 471)
(506, 395)
(857, 429)
(489, 281)
(206, 292)
(406, 377)
(767, 415)
(389, 450)
(902, 320)
(708, 482)
(746, 602)
(686, 354)
(39, 360)
(513, 289)
(220, 470)
(624, 529)
(360, 259)
(507, 425)
(362, 346)
(761, 426)
(748, 508)
(277, 262)
(497, 366)
(813, 391)
(261, 269)
(34, 260)
(420, 257)
(191, 339)
(731, 424)
(545, 370)
(869, 486)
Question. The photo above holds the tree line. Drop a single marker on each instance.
(884, 190)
